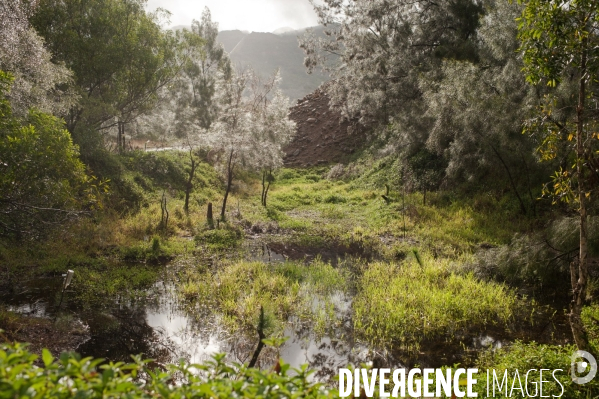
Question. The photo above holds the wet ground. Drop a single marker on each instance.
(160, 327)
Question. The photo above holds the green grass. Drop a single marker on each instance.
(227, 237)
(532, 356)
(238, 289)
(422, 298)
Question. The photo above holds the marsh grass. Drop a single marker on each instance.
(402, 304)
(522, 357)
(238, 289)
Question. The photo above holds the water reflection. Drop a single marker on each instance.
(160, 328)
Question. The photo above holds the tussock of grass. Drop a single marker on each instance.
(220, 239)
(400, 305)
(238, 289)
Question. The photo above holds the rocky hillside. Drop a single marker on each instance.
(321, 138)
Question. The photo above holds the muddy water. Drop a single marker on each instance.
(159, 327)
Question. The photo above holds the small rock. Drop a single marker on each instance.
(296, 152)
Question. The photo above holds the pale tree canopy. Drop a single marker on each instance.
(38, 82)
(380, 48)
(253, 123)
(252, 126)
(196, 85)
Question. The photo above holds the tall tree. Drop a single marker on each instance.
(252, 126)
(206, 61)
(379, 48)
(560, 41)
(118, 52)
(477, 110)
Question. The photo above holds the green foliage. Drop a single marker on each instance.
(590, 319)
(334, 199)
(42, 180)
(71, 375)
(427, 169)
(119, 55)
(541, 259)
(401, 305)
(196, 85)
(559, 44)
(526, 356)
(137, 178)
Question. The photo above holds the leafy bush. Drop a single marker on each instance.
(542, 258)
(590, 319)
(71, 376)
(42, 180)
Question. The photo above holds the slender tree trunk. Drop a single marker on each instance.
(189, 185)
(229, 182)
(262, 200)
(266, 179)
(164, 217)
(512, 183)
(579, 289)
(266, 193)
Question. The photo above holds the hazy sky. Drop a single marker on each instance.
(252, 15)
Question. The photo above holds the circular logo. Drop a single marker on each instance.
(578, 366)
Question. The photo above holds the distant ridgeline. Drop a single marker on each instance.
(265, 52)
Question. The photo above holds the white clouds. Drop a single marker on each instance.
(252, 15)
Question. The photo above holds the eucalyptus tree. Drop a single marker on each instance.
(252, 125)
(119, 54)
(560, 43)
(205, 62)
(37, 81)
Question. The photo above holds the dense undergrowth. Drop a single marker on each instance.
(444, 270)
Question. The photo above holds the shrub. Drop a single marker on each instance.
(71, 376)
(540, 259)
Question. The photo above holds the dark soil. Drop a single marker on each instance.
(63, 335)
(322, 137)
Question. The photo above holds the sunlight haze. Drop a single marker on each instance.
(252, 15)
